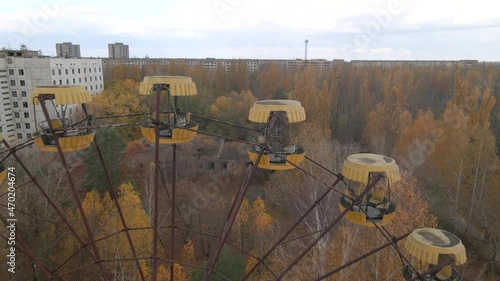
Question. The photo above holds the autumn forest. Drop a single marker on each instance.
(440, 124)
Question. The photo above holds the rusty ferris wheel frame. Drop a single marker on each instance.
(221, 239)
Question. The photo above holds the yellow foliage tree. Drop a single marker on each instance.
(187, 254)
(122, 98)
(261, 219)
(107, 229)
(386, 122)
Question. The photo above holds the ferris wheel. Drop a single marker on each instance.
(365, 198)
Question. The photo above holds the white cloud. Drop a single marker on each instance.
(261, 28)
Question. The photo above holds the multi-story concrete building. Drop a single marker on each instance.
(292, 64)
(20, 75)
(6, 114)
(391, 63)
(68, 50)
(212, 63)
(118, 50)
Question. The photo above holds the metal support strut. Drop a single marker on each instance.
(212, 261)
(172, 223)
(99, 261)
(158, 89)
(327, 229)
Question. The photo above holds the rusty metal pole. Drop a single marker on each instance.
(113, 193)
(172, 223)
(339, 179)
(229, 222)
(174, 174)
(212, 261)
(362, 257)
(327, 229)
(50, 201)
(158, 88)
(41, 99)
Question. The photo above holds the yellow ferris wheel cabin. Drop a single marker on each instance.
(377, 208)
(280, 154)
(71, 137)
(171, 119)
(429, 247)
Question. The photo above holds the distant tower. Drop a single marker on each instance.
(305, 56)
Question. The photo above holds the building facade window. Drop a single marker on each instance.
(16, 114)
(28, 135)
(21, 71)
(13, 82)
(27, 125)
(11, 71)
(14, 94)
(19, 135)
(18, 125)
(59, 71)
(66, 70)
(22, 82)
(24, 94)
(26, 115)
(15, 104)
(25, 104)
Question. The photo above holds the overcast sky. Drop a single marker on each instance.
(275, 29)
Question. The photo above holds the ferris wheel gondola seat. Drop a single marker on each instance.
(70, 141)
(168, 135)
(284, 160)
(380, 211)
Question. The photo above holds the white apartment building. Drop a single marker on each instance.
(20, 75)
(6, 114)
(68, 50)
(211, 64)
(118, 51)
